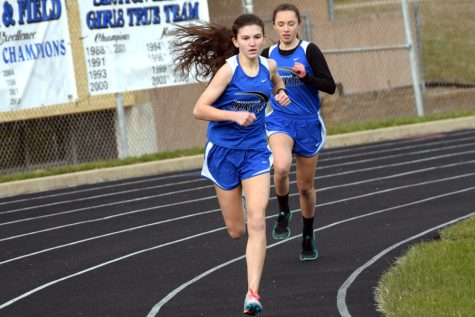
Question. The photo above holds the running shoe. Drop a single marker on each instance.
(281, 227)
(309, 250)
(252, 306)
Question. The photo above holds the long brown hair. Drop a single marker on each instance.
(207, 46)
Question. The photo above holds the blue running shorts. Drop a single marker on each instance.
(228, 167)
(309, 134)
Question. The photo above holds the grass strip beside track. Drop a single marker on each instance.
(435, 278)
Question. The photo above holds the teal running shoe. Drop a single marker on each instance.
(252, 306)
(281, 229)
(309, 250)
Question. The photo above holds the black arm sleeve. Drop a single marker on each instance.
(322, 79)
(265, 52)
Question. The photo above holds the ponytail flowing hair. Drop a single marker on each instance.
(205, 47)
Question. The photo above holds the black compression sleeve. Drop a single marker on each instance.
(322, 79)
(265, 52)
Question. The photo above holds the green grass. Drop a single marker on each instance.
(448, 40)
(435, 279)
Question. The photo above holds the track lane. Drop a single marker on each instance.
(205, 251)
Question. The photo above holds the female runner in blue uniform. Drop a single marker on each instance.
(237, 158)
(299, 127)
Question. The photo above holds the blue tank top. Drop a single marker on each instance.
(305, 101)
(244, 93)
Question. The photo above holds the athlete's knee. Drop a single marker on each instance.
(281, 170)
(256, 223)
(236, 232)
(306, 189)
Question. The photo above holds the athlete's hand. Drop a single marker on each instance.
(282, 98)
(299, 69)
(244, 118)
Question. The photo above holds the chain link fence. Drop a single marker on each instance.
(371, 62)
(365, 45)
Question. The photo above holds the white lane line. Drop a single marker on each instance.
(401, 163)
(102, 187)
(393, 175)
(209, 197)
(210, 186)
(156, 308)
(72, 191)
(100, 219)
(395, 145)
(415, 143)
(107, 235)
(41, 287)
(217, 210)
(398, 150)
(341, 296)
(112, 204)
(115, 194)
(207, 186)
(201, 179)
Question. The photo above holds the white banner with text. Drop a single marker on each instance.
(127, 44)
(36, 66)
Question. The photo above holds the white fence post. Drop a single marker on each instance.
(413, 60)
(248, 6)
(124, 145)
